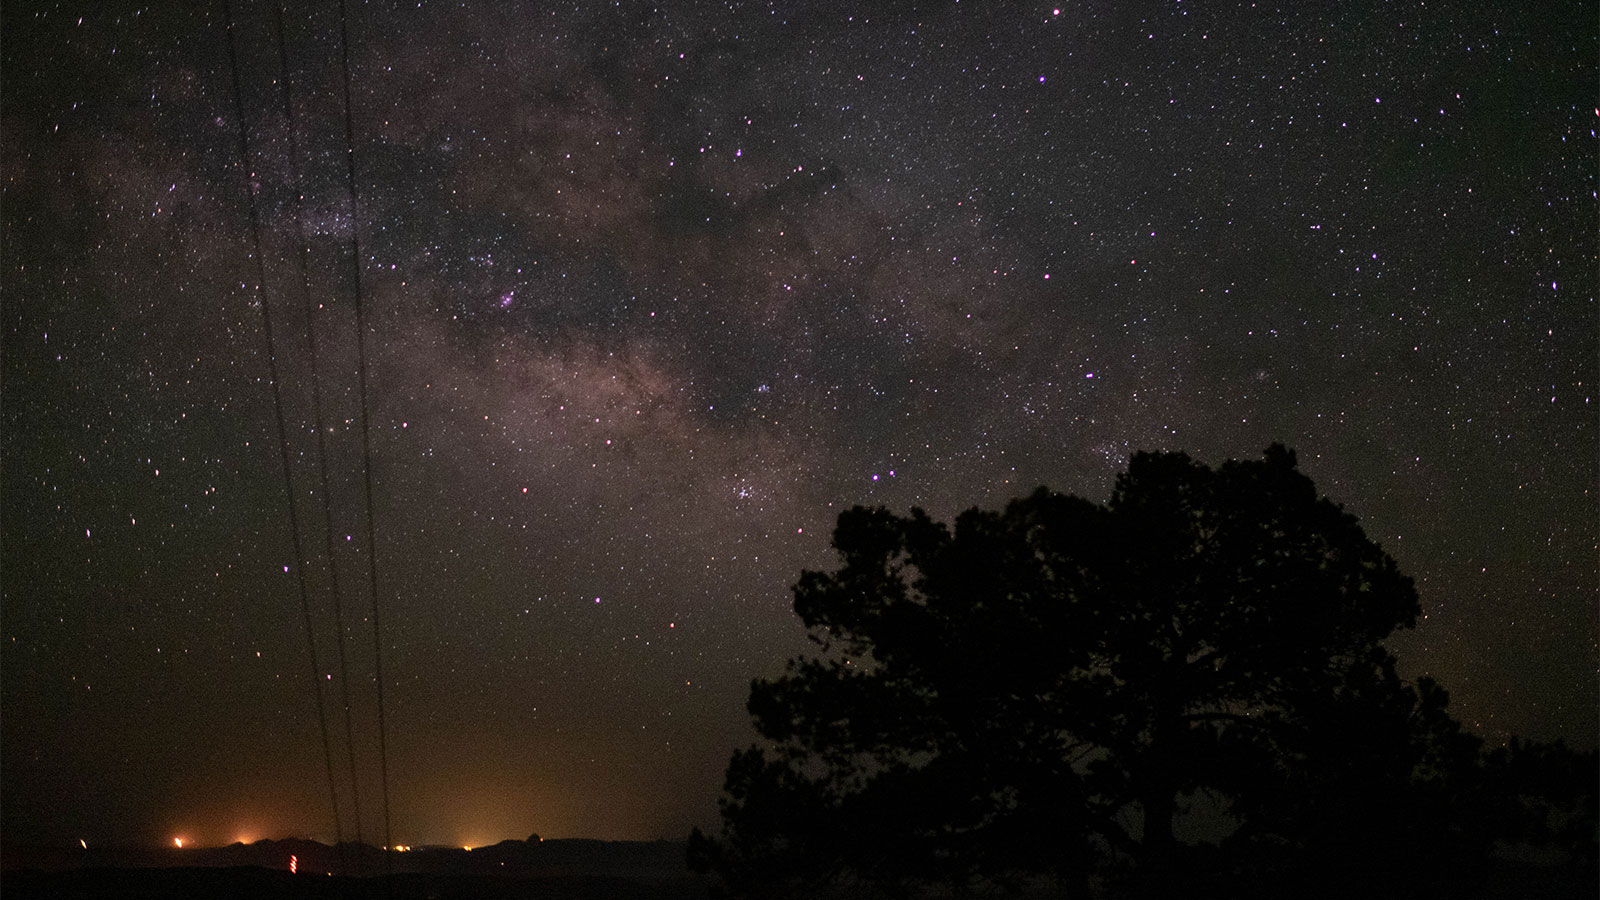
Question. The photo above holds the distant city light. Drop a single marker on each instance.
(179, 842)
(84, 843)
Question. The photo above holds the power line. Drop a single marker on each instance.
(283, 433)
(283, 444)
(316, 403)
(366, 438)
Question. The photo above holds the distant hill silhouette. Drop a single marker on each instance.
(533, 858)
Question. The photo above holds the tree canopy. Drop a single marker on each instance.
(1043, 691)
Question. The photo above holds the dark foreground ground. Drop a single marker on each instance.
(512, 870)
(251, 883)
(524, 870)
(254, 883)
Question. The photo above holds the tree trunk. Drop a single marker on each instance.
(1160, 804)
(1159, 799)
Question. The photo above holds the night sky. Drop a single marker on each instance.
(654, 291)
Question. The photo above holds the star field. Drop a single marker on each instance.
(654, 291)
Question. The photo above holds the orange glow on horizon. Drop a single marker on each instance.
(179, 842)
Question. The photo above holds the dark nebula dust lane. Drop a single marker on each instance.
(653, 292)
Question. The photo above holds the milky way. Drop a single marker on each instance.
(653, 293)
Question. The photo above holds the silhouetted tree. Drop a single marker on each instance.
(1549, 798)
(1039, 691)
